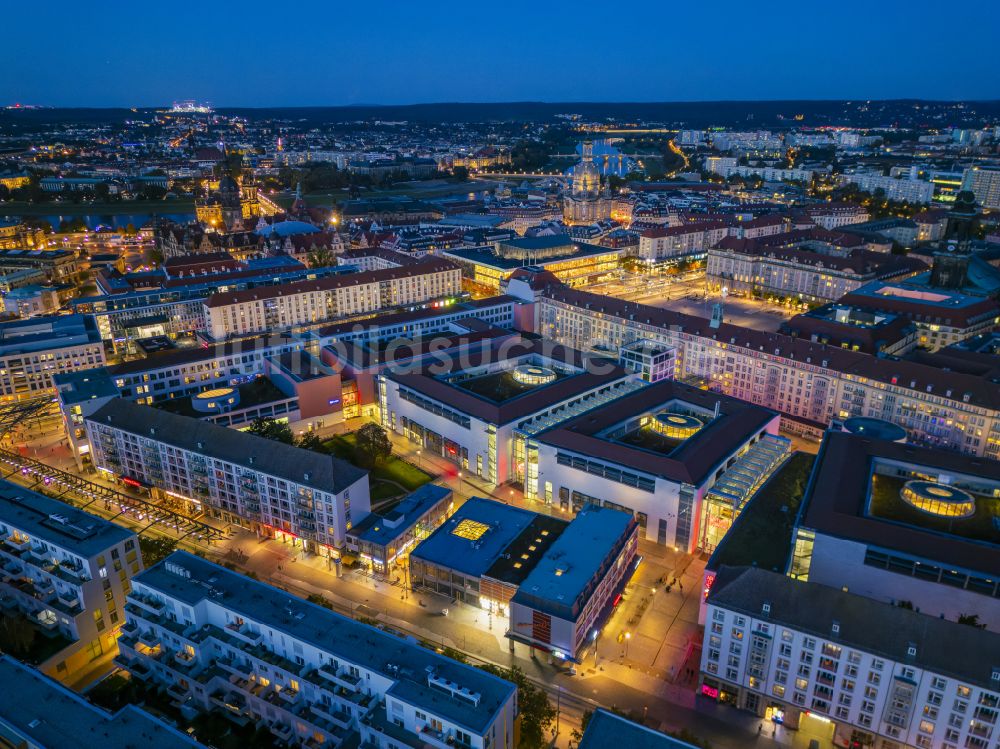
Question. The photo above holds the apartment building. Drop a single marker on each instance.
(903, 190)
(311, 302)
(39, 713)
(218, 641)
(809, 383)
(942, 317)
(175, 307)
(302, 497)
(743, 267)
(984, 183)
(835, 215)
(177, 374)
(843, 667)
(768, 173)
(665, 242)
(32, 351)
(67, 571)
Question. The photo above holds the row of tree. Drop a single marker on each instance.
(371, 442)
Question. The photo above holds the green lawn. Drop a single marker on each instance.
(385, 475)
(762, 534)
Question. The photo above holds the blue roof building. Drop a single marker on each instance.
(564, 601)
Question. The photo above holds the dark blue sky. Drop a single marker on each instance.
(254, 53)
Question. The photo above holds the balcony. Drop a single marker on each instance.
(18, 543)
(242, 631)
(340, 718)
(434, 737)
(140, 669)
(290, 696)
(46, 620)
(236, 668)
(179, 694)
(37, 557)
(148, 603)
(341, 678)
(282, 731)
(11, 571)
(150, 639)
(185, 660)
(70, 573)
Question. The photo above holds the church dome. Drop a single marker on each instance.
(228, 185)
(586, 175)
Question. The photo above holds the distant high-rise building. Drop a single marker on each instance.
(984, 183)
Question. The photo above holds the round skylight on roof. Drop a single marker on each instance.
(675, 425)
(532, 374)
(939, 500)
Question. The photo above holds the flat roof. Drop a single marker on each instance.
(181, 356)
(84, 384)
(573, 560)
(363, 645)
(57, 522)
(374, 325)
(691, 461)
(294, 464)
(474, 556)
(486, 257)
(606, 729)
(301, 366)
(836, 502)
(382, 529)
(47, 332)
(943, 647)
(520, 406)
(50, 716)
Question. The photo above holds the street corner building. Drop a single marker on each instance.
(219, 642)
(67, 572)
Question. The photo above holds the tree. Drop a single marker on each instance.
(372, 445)
(460, 173)
(536, 711)
(16, 635)
(311, 441)
(577, 735)
(321, 257)
(155, 549)
(972, 620)
(270, 429)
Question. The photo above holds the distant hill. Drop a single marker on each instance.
(764, 114)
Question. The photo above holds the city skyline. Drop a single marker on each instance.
(560, 53)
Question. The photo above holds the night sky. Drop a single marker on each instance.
(306, 53)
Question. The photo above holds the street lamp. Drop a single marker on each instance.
(593, 639)
(628, 636)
